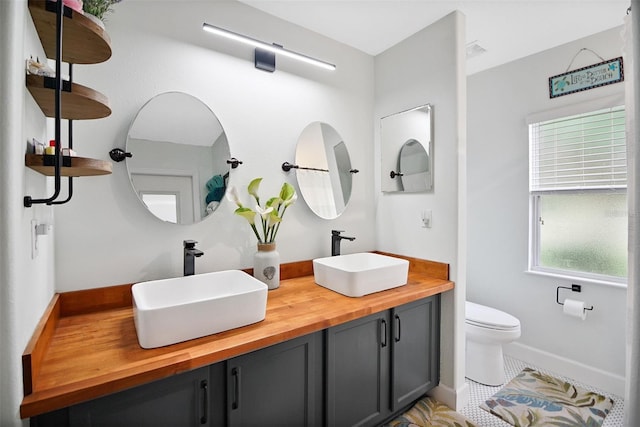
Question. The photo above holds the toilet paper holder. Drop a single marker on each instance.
(574, 288)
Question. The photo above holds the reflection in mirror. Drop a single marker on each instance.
(323, 170)
(413, 167)
(179, 151)
(164, 206)
(407, 150)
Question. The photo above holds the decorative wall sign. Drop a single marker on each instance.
(601, 74)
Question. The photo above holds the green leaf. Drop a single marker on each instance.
(274, 218)
(274, 202)
(98, 8)
(253, 188)
(291, 201)
(247, 214)
(287, 192)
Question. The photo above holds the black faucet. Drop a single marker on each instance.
(335, 241)
(190, 255)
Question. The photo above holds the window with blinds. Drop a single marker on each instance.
(585, 151)
(577, 183)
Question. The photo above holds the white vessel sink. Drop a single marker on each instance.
(174, 310)
(359, 274)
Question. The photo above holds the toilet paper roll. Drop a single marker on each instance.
(574, 308)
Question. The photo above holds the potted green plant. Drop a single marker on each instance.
(98, 8)
(266, 262)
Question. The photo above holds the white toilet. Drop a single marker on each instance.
(487, 329)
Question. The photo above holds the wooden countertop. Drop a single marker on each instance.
(86, 345)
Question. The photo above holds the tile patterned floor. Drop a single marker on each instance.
(479, 393)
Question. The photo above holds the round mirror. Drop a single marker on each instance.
(178, 166)
(413, 164)
(323, 170)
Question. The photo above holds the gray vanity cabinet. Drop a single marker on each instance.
(415, 355)
(180, 400)
(358, 371)
(380, 364)
(278, 386)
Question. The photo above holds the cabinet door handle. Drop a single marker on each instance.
(205, 401)
(383, 333)
(398, 328)
(235, 372)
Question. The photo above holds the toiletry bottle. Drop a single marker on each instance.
(51, 149)
(38, 147)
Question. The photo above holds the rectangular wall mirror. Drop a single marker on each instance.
(407, 150)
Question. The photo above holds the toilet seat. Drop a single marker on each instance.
(490, 318)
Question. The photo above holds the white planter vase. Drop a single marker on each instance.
(266, 265)
(94, 19)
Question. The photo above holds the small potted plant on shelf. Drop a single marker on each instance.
(98, 8)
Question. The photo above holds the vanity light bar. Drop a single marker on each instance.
(266, 46)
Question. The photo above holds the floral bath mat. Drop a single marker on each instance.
(536, 399)
(428, 412)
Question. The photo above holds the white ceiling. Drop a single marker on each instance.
(507, 29)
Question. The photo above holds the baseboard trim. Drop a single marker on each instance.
(454, 399)
(603, 380)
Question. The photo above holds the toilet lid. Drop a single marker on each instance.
(484, 316)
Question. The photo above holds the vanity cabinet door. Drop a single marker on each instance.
(279, 386)
(415, 343)
(180, 400)
(357, 377)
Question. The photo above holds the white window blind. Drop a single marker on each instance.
(585, 151)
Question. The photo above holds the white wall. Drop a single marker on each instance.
(26, 283)
(498, 210)
(105, 237)
(428, 67)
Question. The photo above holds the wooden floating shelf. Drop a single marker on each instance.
(80, 166)
(78, 102)
(83, 41)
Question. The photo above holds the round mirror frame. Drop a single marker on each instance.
(178, 168)
(323, 170)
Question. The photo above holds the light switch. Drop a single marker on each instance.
(34, 239)
(427, 218)
(37, 230)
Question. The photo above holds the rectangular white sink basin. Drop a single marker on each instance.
(169, 311)
(359, 274)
